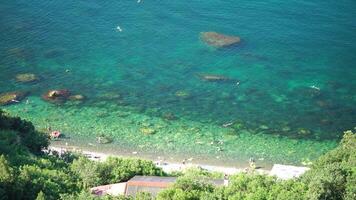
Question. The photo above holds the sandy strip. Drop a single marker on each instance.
(166, 166)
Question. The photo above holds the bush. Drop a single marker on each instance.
(119, 169)
(87, 171)
(187, 188)
(113, 170)
(33, 179)
(26, 134)
(333, 174)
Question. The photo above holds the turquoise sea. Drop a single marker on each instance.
(139, 65)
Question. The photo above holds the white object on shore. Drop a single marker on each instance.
(285, 172)
(119, 28)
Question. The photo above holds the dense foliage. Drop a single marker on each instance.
(332, 176)
(17, 131)
(27, 173)
(113, 170)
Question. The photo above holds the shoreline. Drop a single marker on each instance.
(124, 150)
(167, 166)
(174, 141)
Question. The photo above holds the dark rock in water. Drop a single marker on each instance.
(219, 40)
(26, 78)
(56, 96)
(12, 97)
(19, 53)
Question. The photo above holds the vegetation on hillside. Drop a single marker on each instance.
(27, 173)
(332, 177)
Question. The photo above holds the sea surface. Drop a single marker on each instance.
(140, 66)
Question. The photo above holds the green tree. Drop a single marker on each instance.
(115, 170)
(35, 141)
(41, 196)
(6, 172)
(144, 196)
(188, 189)
(87, 171)
(52, 182)
(285, 190)
(333, 175)
(249, 186)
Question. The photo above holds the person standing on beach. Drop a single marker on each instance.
(252, 164)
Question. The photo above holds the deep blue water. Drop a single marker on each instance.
(287, 49)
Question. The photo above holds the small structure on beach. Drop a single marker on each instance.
(112, 189)
(286, 172)
(149, 184)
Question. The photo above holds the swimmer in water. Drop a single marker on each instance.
(314, 87)
(119, 28)
(228, 124)
(138, 1)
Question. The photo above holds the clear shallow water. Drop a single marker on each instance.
(132, 79)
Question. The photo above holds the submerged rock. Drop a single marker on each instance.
(169, 116)
(77, 97)
(26, 77)
(237, 125)
(56, 96)
(11, 97)
(53, 53)
(214, 78)
(103, 139)
(304, 132)
(286, 129)
(219, 40)
(306, 92)
(148, 131)
(182, 94)
(263, 127)
(110, 96)
(19, 53)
